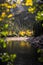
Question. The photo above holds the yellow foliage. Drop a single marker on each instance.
(1, 4)
(3, 14)
(9, 6)
(13, 5)
(8, 10)
(29, 33)
(31, 9)
(5, 4)
(1, 19)
(14, 33)
(22, 33)
(10, 15)
(29, 3)
(10, 32)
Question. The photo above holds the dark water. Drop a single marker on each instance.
(26, 55)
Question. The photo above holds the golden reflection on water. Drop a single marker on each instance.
(21, 46)
(25, 44)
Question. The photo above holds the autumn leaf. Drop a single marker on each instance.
(10, 15)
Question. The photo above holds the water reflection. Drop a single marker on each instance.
(26, 54)
(18, 47)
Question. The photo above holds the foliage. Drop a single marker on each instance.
(40, 59)
(7, 57)
(32, 9)
(39, 15)
(5, 11)
(2, 43)
(29, 3)
(26, 33)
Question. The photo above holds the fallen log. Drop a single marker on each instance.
(17, 38)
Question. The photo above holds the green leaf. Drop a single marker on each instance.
(14, 56)
(1, 40)
(40, 59)
(4, 33)
(38, 51)
(6, 26)
(4, 45)
(42, 25)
